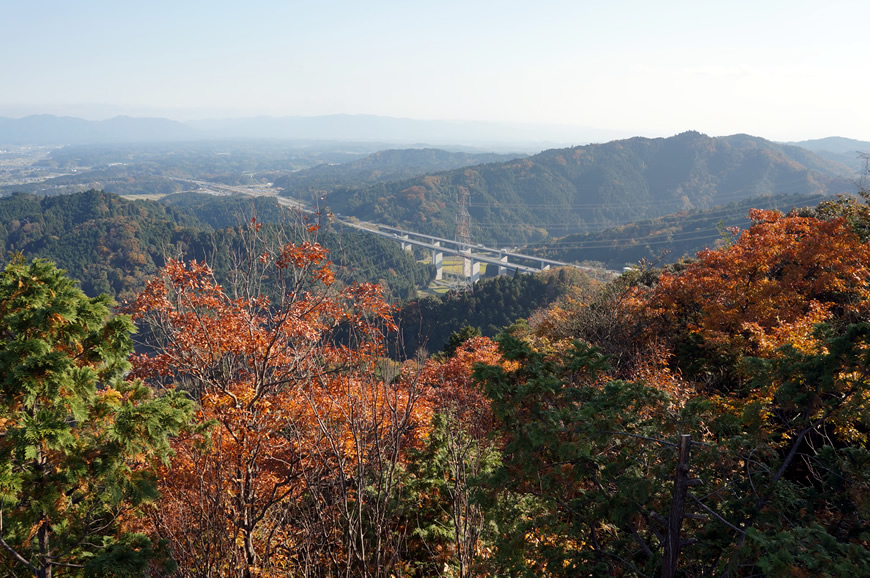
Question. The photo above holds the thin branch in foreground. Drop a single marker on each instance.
(716, 515)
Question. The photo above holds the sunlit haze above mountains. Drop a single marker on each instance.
(784, 70)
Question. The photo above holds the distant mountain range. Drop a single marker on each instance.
(46, 129)
(54, 130)
(850, 152)
(593, 187)
(58, 130)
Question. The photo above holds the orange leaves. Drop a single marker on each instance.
(796, 332)
(653, 369)
(296, 411)
(450, 387)
(764, 216)
(369, 308)
(300, 256)
(782, 276)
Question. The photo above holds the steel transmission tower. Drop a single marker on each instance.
(463, 232)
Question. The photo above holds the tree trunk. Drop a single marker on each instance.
(678, 506)
(42, 537)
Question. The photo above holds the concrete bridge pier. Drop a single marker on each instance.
(470, 267)
(437, 260)
(501, 269)
(466, 264)
(406, 246)
(475, 271)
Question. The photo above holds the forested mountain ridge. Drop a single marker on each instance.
(591, 187)
(382, 166)
(109, 244)
(221, 212)
(112, 245)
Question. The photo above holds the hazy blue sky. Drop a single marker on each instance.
(784, 70)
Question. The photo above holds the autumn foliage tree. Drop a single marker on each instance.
(770, 288)
(770, 333)
(296, 466)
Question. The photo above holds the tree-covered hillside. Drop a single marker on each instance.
(112, 245)
(589, 188)
(357, 256)
(493, 305)
(221, 212)
(109, 244)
